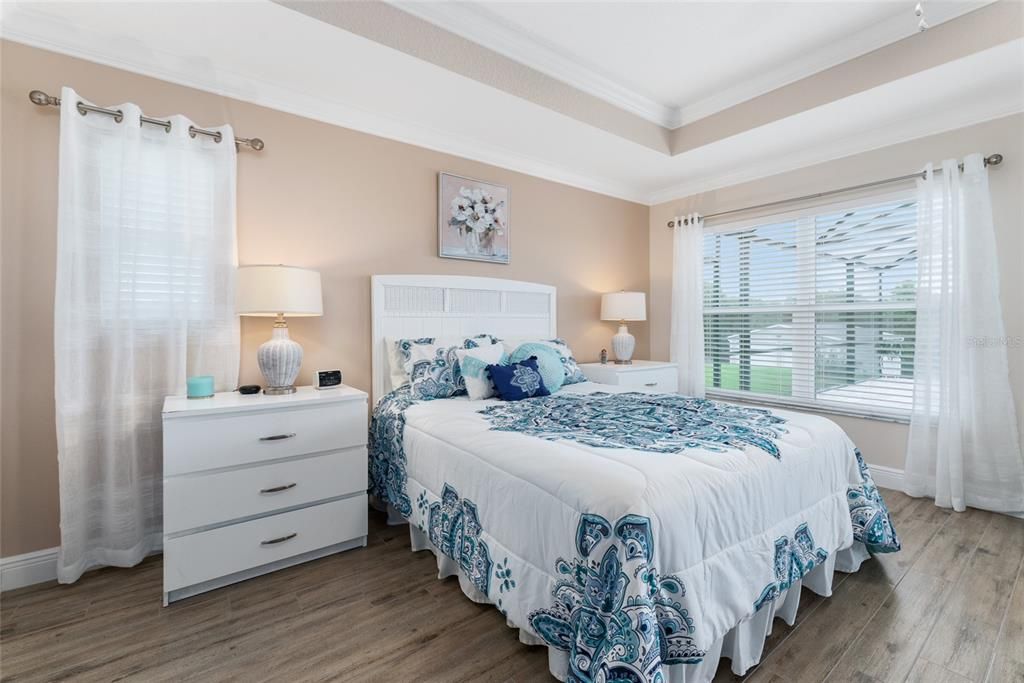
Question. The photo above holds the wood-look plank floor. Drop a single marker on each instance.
(949, 607)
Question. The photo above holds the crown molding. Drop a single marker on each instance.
(468, 20)
(883, 136)
(44, 31)
(49, 32)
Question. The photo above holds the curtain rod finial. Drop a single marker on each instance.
(993, 159)
(42, 99)
(252, 143)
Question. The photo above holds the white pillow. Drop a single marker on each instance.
(396, 372)
(473, 365)
(400, 364)
(429, 364)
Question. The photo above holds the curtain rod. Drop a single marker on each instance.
(990, 160)
(44, 100)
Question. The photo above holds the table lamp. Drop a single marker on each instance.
(274, 292)
(623, 306)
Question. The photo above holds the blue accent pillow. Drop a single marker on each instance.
(518, 381)
(549, 362)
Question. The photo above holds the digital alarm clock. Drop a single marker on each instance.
(327, 379)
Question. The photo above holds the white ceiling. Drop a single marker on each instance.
(282, 59)
(673, 63)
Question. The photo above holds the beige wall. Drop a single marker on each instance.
(345, 203)
(882, 443)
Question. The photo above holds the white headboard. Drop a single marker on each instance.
(452, 305)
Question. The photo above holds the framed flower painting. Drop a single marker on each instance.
(472, 219)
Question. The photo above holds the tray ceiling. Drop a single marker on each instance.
(675, 62)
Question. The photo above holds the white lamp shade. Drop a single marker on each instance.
(269, 290)
(624, 306)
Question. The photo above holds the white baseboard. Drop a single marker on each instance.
(887, 477)
(18, 571)
(892, 478)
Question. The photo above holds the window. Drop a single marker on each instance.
(157, 240)
(815, 309)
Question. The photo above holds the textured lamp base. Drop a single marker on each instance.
(278, 391)
(623, 344)
(279, 360)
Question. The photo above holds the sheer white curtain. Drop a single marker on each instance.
(963, 447)
(146, 263)
(686, 345)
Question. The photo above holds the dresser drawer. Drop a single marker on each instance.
(194, 444)
(212, 554)
(195, 500)
(663, 380)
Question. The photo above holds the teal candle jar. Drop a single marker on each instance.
(200, 387)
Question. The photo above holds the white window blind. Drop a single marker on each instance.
(157, 265)
(815, 309)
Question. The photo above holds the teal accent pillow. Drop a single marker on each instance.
(474, 370)
(549, 363)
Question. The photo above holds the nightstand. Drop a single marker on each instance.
(257, 483)
(645, 375)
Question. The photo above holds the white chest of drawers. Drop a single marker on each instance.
(643, 375)
(256, 483)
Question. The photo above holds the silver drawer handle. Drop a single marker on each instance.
(651, 384)
(282, 539)
(278, 489)
(277, 437)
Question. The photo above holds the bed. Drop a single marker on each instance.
(638, 536)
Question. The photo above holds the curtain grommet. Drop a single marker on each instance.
(193, 131)
(83, 109)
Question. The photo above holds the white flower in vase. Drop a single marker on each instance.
(476, 215)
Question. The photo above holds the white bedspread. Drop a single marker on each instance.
(628, 559)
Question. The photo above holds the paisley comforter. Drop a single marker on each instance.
(629, 530)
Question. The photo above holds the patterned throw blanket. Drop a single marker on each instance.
(659, 423)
